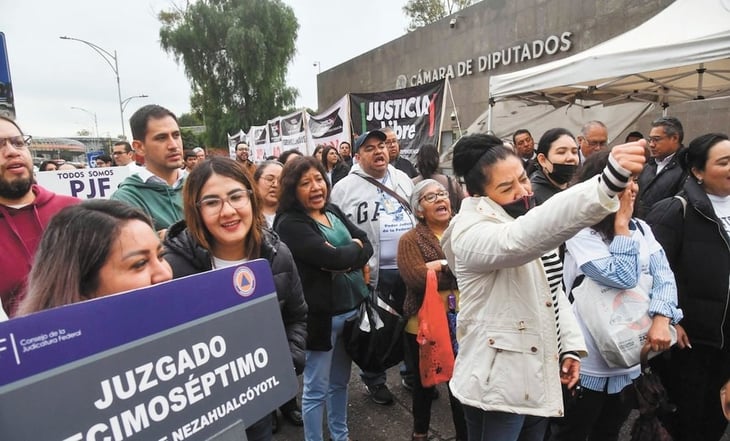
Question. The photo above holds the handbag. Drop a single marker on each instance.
(374, 337)
(617, 319)
(435, 353)
(653, 402)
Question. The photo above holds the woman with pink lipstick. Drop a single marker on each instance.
(223, 227)
(329, 251)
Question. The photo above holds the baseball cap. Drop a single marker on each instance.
(362, 138)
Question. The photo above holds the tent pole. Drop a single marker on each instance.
(489, 115)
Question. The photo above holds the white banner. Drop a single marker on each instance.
(235, 139)
(85, 183)
(330, 127)
(293, 135)
(258, 141)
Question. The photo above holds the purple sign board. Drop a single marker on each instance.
(197, 358)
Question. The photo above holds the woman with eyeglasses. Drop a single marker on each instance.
(330, 252)
(557, 159)
(419, 250)
(223, 227)
(267, 182)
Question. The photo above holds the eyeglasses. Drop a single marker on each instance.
(597, 144)
(655, 139)
(18, 142)
(213, 205)
(270, 179)
(391, 141)
(433, 197)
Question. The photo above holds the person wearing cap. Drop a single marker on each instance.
(385, 218)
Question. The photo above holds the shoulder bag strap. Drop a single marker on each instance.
(380, 185)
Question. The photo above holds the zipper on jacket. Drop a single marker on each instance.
(525, 362)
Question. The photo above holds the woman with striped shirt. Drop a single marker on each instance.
(518, 339)
(615, 252)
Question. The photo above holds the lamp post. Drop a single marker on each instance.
(96, 125)
(108, 57)
(126, 101)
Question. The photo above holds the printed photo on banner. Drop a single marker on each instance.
(330, 127)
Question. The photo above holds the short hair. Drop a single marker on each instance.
(197, 150)
(427, 160)
(290, 176)
(189, 154)
(242, 142)
(519, 132)
(473, 157)
(587, 126)
(127, 146)
(549, 137)
(418, 192)
(672, 126)
(194, 184)
(4, 118)
(105, 158)
(346, 142)
(139, 119)
(634, 134)
(696, 154)
(285, 155)
(260, 169)
(66, 269)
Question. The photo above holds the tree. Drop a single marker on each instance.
(189, 120)
(423, 12)
(235, 53)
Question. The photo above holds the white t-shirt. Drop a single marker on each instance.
(721, 205)
(221, 263)
(394, 221)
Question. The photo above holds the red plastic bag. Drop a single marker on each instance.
(436, 356)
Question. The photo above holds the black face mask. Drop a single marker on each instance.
(562, 173)
(520, 206)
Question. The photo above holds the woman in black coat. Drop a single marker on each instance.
(223, 227)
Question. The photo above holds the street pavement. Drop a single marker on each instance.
(373, 422)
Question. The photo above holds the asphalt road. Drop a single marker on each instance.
(373, 422)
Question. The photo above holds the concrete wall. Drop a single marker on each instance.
(493, 25)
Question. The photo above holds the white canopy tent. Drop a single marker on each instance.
(680, 54)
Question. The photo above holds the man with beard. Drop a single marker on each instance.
(242, 157)
(157, 188)
(25, 210)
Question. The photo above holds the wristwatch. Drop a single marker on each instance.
(444, 265)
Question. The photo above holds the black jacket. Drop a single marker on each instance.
(187, 257)
(340, 170)
(312, 254)
(654, 187)
(405, 166)
(542, 187)
(698, 250)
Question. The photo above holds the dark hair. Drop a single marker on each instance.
(319, 149)
(346, 142)
(427, 160)
(4, 118)
(285, 155)
(671, 125)
(66, 269)
(519, 132)
(549, 137)
(127, 146)
(593, 166)
(634, 134)
(325, 152)
(474, 155)
(260, 169)
(290, 176)
(194, 183)
(44, 165)
(104, 158)
(139, 119)
(696, 154)
(189, 154)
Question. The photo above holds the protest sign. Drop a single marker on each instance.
(84, 183)
(196, 358)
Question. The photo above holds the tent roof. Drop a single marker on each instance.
(680, 54)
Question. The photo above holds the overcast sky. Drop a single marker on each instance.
(51, 75)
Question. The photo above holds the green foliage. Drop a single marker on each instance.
(189, 120)
(423, 12)
(191, 140)
(236, 54)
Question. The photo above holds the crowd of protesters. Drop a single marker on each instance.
(357, 220)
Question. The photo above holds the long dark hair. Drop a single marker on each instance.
(696, 154)
(474, 156)
(290, 176)
(325, 152)
(74, 247)
(229, 168)
(427, 160)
